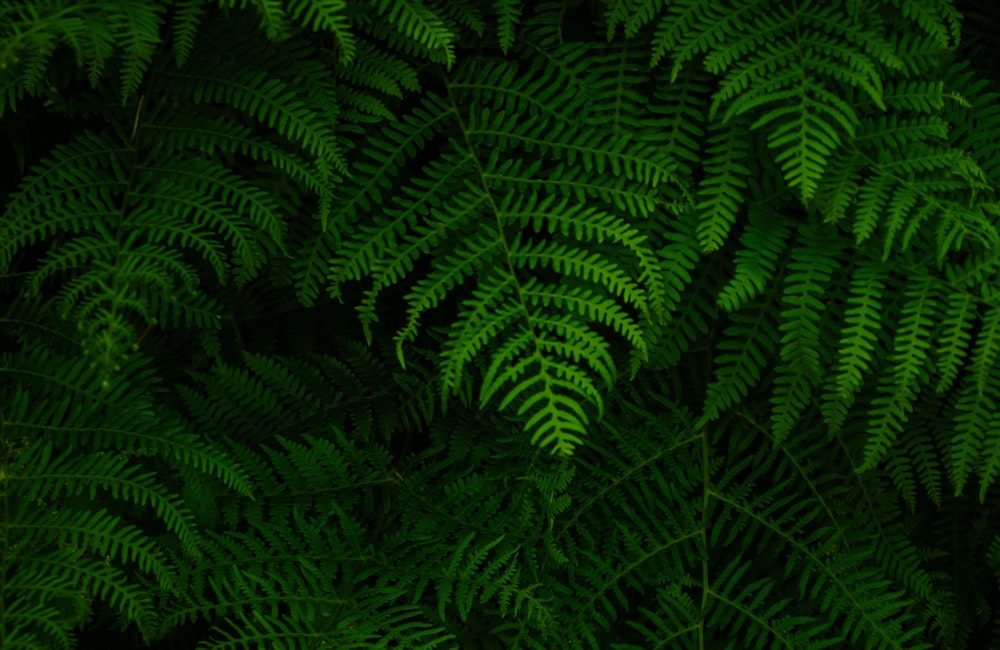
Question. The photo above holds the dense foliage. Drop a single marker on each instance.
(480, 324)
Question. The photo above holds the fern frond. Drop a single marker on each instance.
(81, 471)
(976, 408)
(813, 261)
(491, 214)
(917, 462)
(126, 32)
(953, 344)
(899, 386)
(139, 204)
(252, 572)
(328, 15)
(188, 16)
(785, 68)
(509, 16)
(722, 192)
(57, 381)
(940, 20)
(745, 351)
(44, 478)
(261, 95)
(761, 245)
(137, 29)
(421, 25)
(379, 70)
(66, 550)
(680, 113)
(859, 340)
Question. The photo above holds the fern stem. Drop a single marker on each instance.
(706, 497)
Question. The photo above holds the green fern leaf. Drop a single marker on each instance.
(328, 15)
(762, 244)
(418, 22)
(680, 114)
(188, 15)
(721, 193)
(138, 28)
(899, 386)
(813, 261)
(953, 344)
(488, 221)
(743, 354)
(859, 341)
(509, 16)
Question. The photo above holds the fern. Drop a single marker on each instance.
(138, 178)
(300, 297)
(722, 191)
(421, 25)
(62, 549)
(898, 392)
(858, 341)
(126, 32)
(539, 367)
(809, 271)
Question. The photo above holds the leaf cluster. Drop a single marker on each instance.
(494, 325)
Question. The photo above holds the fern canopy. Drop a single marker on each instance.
(499, 325)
